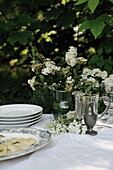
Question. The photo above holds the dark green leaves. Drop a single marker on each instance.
(21, 37)
(53, 13)
(24, 20)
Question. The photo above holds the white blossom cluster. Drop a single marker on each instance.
(31, 82)
(71, 57)
(69, 83)
(50, 67)
(91, 75)
(109, 83)
(56, 77)
(58, 127)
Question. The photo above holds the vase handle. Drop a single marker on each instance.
(107, 105)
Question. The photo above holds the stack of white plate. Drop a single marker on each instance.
(20, 115)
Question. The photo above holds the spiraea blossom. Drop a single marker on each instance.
(72, 59)
(50, 67)
(91, 80)
(66, 124)
(32, 82)
(57, 75)
(71, 56)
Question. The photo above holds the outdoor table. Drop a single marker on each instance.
(68, 152)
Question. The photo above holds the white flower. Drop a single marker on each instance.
(46, 71)
(71, 56)
(108, 80)
(104, 74)
(69, 80)
(32, 82)
(91, 79)
(96, 72)
(87, 71)
(84, 129)
(81, 60)
(70, 114)
(50, 67)
(111, 76)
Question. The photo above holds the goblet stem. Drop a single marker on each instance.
(91, 132)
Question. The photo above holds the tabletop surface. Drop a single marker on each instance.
(68, 152)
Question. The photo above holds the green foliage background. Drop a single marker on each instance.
(49, 26)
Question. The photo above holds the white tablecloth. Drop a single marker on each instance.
(68, 152)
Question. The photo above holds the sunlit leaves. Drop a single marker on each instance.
(111, 1)
(97, 28)
(85, 25)
(80, 2)
(92, 4)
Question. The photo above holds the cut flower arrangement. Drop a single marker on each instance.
(68, 74)
(62, 75)
(66, 124)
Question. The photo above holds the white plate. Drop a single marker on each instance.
(19, 110)
(25, 119)
(41, 136)
(2, 125)
(19, 122)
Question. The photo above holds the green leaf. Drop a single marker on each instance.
(42, 78)
(88, 89)
(110, 22)
(24, 20)
(53, 13)
(80, 2)
(93, 60)
(97, 28)
(22, 37)
(12, 38)
(85, 25)
(66, 19)
(103, 18)
(92, 4)
(108, 68)
(100, 63)
(108, 48)
(111, 1)
(100, 51)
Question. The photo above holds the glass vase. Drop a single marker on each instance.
(86, 107)
(63, 103)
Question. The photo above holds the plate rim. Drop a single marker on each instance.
(25, 125)
(20, 123)
(20, 153)
(20, 119)
(13, 117)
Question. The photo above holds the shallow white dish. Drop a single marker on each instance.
(20, 122)
(27, 124)
(19, 110)
(41, 136)
(25, 119)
